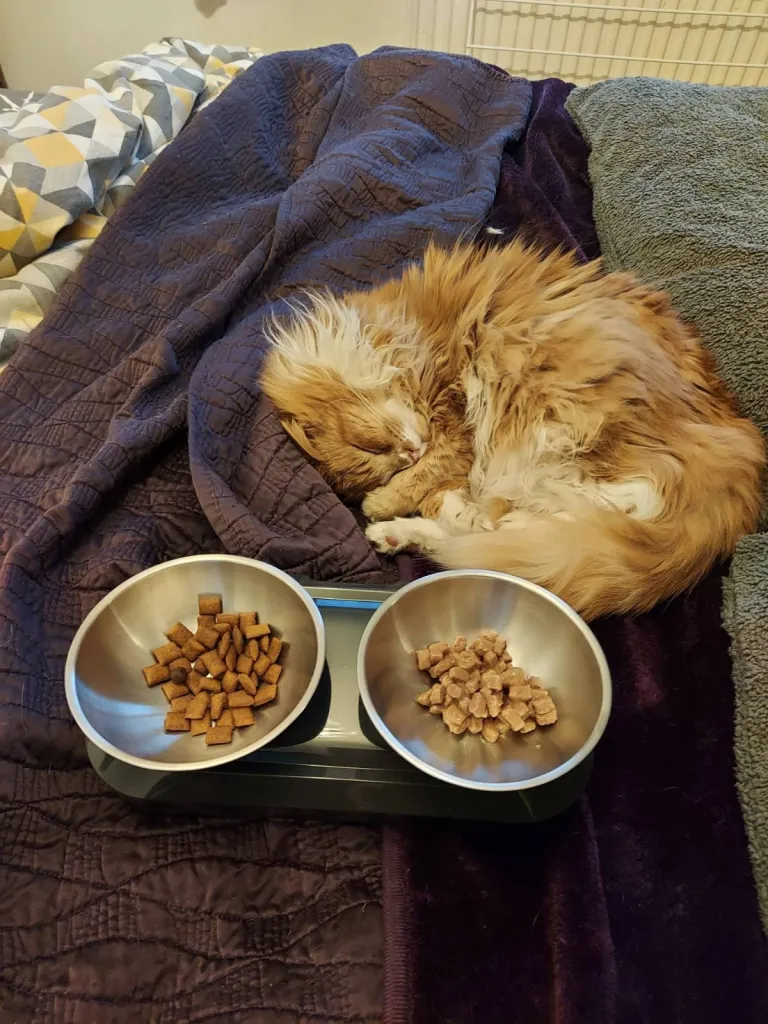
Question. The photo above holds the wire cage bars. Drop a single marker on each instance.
(720, 42)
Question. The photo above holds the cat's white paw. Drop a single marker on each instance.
(396, 534)
(385, 537)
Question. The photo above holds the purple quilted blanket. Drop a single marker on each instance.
(132, 431)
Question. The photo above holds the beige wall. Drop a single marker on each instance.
(50, 42)
(46, 42)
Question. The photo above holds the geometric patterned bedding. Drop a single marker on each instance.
(71, 156)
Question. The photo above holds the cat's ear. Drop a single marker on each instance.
(299, 435)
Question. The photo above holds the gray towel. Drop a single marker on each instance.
(680, 180)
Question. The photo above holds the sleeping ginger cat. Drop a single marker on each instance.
(500, 409)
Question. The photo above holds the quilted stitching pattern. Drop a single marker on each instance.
(132, 431)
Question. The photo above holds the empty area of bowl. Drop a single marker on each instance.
(104, 670)
(545, 638)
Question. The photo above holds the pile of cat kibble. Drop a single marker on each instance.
(214, 679)
(477, 689)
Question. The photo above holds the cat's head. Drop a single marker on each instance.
(341, 399)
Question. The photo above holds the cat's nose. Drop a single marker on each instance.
(413, 455)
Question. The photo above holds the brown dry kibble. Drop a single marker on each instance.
(272, 674)
(179, 634)
(209, 604)
(207, 636)
(223, 645)
(239, 699)
(214, 664)
(167, 653)
(194, 681)
(214, 678)
(154, 674)
(229, 682)
(218, 734)
(176, 722)
(198, 726)
(275, 646)
(174, 690)
(244, 664)
(477, 690)
(255, 631)
(227, 720)
(246, 619)
(242, 717)
(247, 683)
(265, 693)
(262, 664)
(218, 704)
(192, 649)
(422, 660)
(198, 706)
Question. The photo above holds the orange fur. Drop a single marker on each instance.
(569, 427)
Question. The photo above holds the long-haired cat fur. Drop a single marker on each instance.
(504, 409)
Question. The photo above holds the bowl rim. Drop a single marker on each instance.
(85, 726)
(493, 787)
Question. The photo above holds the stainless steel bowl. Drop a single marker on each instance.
(546, 638)
(123, 716)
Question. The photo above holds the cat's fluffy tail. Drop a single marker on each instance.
(603, 563)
